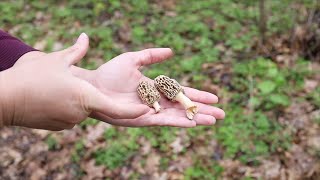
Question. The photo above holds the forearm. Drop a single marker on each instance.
(1, 104)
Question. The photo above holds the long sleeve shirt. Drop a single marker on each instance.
(11, 49)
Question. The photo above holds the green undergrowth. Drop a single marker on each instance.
(251, 129)
(122, 145)
(199, 32)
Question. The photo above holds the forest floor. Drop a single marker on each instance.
(269, 89)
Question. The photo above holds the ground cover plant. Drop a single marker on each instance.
(260, 57)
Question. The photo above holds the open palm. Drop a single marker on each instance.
(119, 79)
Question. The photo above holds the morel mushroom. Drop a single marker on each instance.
(149, 95)
(173, 91)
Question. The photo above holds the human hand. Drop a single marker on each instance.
(119, 79)
(43, 93)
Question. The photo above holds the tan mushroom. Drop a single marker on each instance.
(173, 91)
(149, 95)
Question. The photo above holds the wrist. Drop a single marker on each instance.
(12, 99)
(6, 107)
(29, 56)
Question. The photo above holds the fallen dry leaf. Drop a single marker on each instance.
(176, 145)
(145, 146)
(181, 164)
(57, 46)
(92, 171)
(271, 169)
(310, 85)
(38, 174)
(94, 133)
(152, 163)
(40, 45)
(9, 156)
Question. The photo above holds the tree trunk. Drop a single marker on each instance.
(262, 20)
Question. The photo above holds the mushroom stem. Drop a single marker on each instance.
(189, 106)
(156, 106)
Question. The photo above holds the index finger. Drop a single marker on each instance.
(151, 56)
(200, 96)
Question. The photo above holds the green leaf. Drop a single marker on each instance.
(138, 32)
(280, 99)
(272, 72)
(254, 101)
(266, 87)
(188, 65)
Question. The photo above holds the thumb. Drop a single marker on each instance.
(76, 52)
(99, 102)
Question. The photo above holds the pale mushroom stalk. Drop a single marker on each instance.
(189, 106)
(149, 95)
(173, 91)
(156, 106)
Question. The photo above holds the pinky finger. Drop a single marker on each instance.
(173, 121)
(204, 120)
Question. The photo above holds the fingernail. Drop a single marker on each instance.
(214, 121)
(81, 37)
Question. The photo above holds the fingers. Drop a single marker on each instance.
(204, 120)
(148, 120)
(202, 109)
(151, 56)
(171, 117)
(200, 96)
(200, 119)
(177, 118)
(76, 52)
(211, 110)
(172, 120)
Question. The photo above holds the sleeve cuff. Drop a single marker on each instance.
(11, 50)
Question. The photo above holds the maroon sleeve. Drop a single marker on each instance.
(11, 49)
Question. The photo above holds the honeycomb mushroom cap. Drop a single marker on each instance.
(169, 87)
(148, 93)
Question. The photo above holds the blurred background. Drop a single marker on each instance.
(261, 57)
